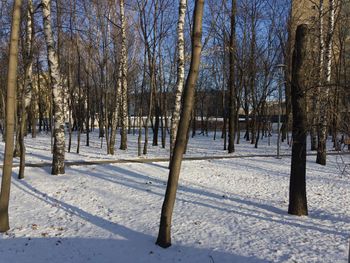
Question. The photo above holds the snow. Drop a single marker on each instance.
(229, 210)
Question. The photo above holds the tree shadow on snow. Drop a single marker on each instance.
(82, 250)
(128, 245)
(259, 211)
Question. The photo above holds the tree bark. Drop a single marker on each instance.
(324, 105)
(124, 82)
(164, 237)
(116, 111)
(180, 74)
(297, 187)
(315, 102)
(57, 92)
(232, 86)
(10, 117)
(27, 87)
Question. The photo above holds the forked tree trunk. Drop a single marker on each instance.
(297, 187)
(57, 92)
(10, 117)
(180, 74)
(164, 236)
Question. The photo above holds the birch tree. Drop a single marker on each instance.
(57, 93)
(27, 87)
(124, 82)
(180, 74)
(322, 137)
(10, 117)
(315, 102)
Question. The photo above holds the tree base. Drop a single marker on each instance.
(321, 159)
(162, 243)
(297, 210)
(58, 171)
(4, 222)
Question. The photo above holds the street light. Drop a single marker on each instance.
(280, 82)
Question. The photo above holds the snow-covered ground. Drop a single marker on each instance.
(38, 149)
(231, 210)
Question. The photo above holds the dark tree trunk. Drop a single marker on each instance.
(232, 99)
(164, 237)
(194, 127)
(224, 131)
(297, 188)
(10, 117)
(87, 115)
(156, 125)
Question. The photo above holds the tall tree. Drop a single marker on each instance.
(180, 74)
(10, 117)
(27, 87)
(324, 105)
(124, 82)
(57, 93)
(164, 235)
(297, 187)
(315, 102)
(232, 86)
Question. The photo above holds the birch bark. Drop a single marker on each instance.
(315, 102)
(180, 74)
(115, 113)
(324, 105)
(57, 93)
(27, 87)
(124, 82)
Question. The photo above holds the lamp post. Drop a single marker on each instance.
(280, 82)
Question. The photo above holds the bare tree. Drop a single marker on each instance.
(10, 117)
(180, 74)
(232, 85)
(124, 82)
(27, 87)
(324, 105)
(57, 92)
(164, 235)
(297, 187)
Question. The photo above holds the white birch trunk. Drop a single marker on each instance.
(124, 82)
(180, 74)
(115, 113)
(321, 42)
(29, 55)
(321, 150)
(316, 95)
(57, 92)
(329, 46)
(27, 87)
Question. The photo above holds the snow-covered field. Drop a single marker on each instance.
(230, 210)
